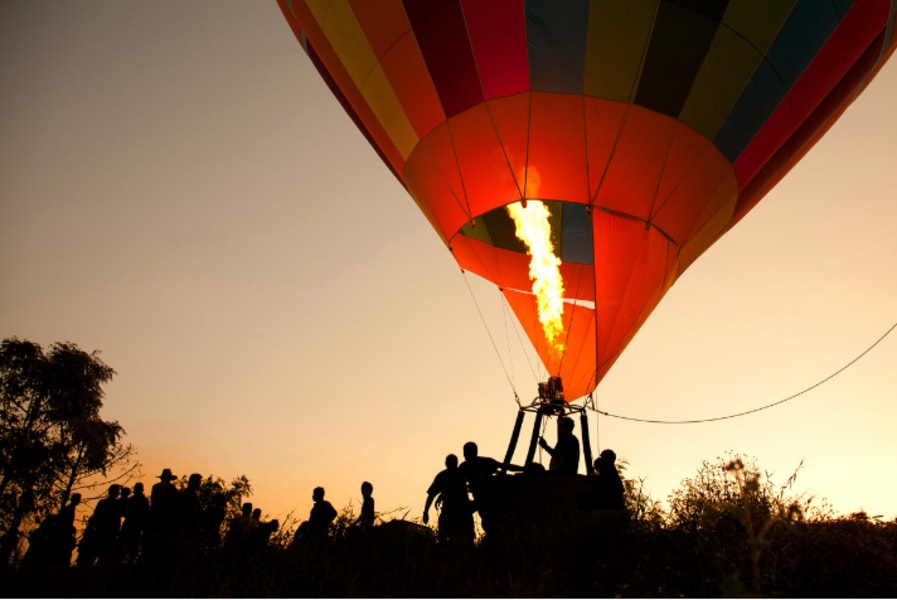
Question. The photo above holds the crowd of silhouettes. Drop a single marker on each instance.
(247, 531)
(174, 523)
(127, 527)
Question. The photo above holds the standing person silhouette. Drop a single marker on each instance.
(609, 488)
(136, 512)
(238, 528)
(64, 533)
(53, 541)
(366, 519)
(316, 530)
(189, 517)
(159, 537)
(449, 490)
(101, 534)
(565, 454)
(479, 472)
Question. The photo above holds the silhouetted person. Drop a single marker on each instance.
(64, 532)
(189, 516)
(164, 502)
(321, 516)
(565, 454)
(238, 528)
(449, 490)
(40, 545)
(317, 528)
(101, 533)
(159, 538)
(479, 472)
(260, 531)
(265, 530)
(366, 519)
(608, 486)
(123, 496)
(213, 515)
(255, 521)
(53, 541)
(136, 513)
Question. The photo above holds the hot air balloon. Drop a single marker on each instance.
(641, 131)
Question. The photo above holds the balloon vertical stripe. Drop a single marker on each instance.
(442, 36)
(618, 35)
(556, 37)
(674, 56)
(498, 36)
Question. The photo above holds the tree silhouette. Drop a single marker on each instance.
(51, 435)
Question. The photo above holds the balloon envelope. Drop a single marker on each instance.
(648, 127)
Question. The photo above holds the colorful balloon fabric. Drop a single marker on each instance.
(647, 127)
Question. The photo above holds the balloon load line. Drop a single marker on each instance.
(759, 408)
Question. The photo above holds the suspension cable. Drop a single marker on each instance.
(758, 409)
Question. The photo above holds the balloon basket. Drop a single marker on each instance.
(549, 403)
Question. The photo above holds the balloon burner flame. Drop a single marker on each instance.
(534, 229)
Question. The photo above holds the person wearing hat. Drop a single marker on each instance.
(164, 491)
(159, 534)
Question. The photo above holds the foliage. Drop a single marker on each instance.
(643, 510)
(734, 510)
(52, 438)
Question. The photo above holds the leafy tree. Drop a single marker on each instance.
(52, 438)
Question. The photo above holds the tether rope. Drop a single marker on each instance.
(758, 409)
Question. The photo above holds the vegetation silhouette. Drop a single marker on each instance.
(728, 530)
(53, 441)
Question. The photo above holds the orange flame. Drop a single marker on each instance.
(534, 230)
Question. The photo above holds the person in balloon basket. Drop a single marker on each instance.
(565, 454)
(449, 490)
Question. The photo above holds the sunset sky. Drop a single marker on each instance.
(180, 191)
